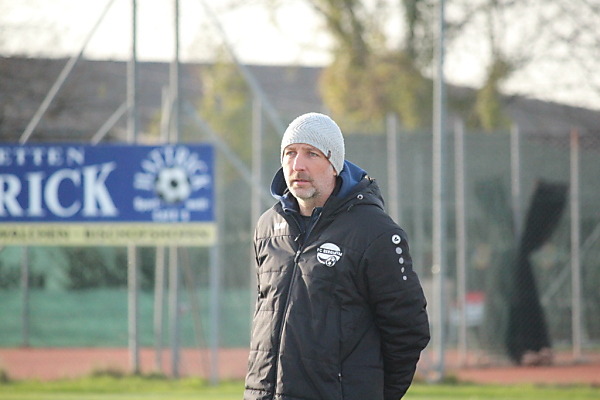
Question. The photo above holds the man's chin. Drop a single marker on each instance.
(303, 194)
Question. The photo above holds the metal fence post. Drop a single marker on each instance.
(159, 283)
(159, 293)
(173, 250)
(25, 288)
(439, 215)
(515, 172)
(461, 237)
(256, 207)
(392, 167)
(132, 265)
(174, 309)
(575, 246)
(215, 295)
(133, 302)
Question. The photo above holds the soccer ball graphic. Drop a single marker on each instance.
(173, 185)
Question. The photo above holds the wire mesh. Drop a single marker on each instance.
(78, 296)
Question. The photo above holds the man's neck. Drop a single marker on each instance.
(306, 208)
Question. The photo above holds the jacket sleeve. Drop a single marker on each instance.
(399, 308)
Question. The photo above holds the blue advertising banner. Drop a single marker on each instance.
(110, 194)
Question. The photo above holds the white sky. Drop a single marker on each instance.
(58, 28)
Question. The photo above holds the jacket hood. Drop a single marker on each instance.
(350, 177)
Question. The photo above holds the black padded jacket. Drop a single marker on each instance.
(340, 313)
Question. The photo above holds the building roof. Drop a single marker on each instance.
(95, 89)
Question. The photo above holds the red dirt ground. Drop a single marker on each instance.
(56, 363)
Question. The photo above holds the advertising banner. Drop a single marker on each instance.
(75, 194)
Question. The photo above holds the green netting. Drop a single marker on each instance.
(97, 316)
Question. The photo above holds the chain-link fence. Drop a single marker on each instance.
(516, 214)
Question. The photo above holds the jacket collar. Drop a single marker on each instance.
(352, 177)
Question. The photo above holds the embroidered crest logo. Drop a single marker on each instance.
(329, 254)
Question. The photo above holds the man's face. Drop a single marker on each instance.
(308, 173)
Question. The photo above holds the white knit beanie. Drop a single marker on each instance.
(320, 131)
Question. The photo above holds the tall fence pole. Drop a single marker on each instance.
(461, 238)
(132, 257)
(256, 210)
(173, 251)
(419, 213)
(392, 167)
(515, 179)
(25, 288)
(439, 217)
(159, 280)
(159, 293)
(133, 301)
(257, 155)
(215, 295)
(575, 246)
(174, 309)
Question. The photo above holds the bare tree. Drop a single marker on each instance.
(519, 43)
(370, 75)
(532, 46)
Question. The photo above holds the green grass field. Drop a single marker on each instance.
(135, 388)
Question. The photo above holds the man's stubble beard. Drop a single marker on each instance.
(303, 193)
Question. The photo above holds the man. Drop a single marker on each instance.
(340, 312)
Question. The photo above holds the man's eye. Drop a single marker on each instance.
(313, 154)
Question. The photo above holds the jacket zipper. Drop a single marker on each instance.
(290, 286)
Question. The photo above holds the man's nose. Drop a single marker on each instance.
(299, 163)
